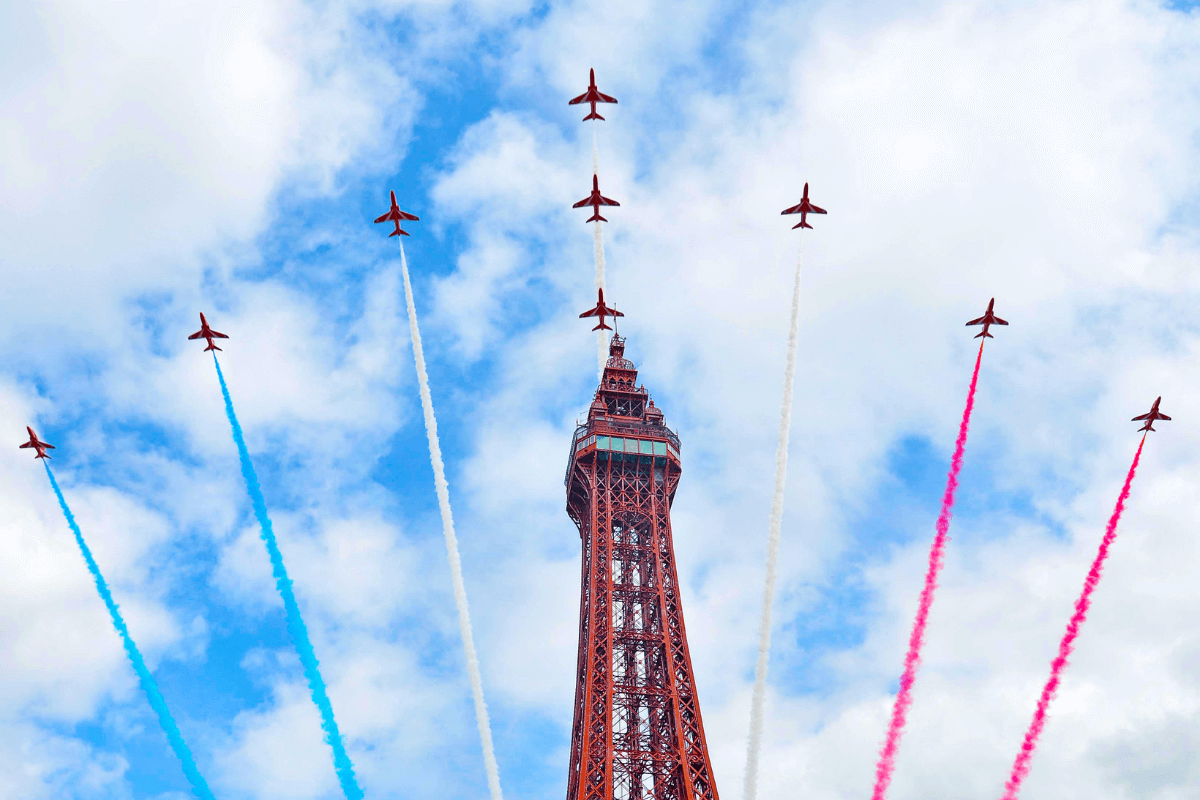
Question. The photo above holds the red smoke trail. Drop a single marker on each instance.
(1021, 765)
(912, 659)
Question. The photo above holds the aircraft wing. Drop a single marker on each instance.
(979, 321)
(51, 447)
(386, 216)
(587, 201)
(406, 215)
(581, 99)
(612, 312)
(196, 335)
(605, 98)
(1164, 416)
(27, 444)
(591, 312)
(816, 209)
(1135, 419)
(604, 201)
(998, 321)
(218, 335)
(793, 210)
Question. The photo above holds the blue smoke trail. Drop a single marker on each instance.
(341, 761)
(199, 787)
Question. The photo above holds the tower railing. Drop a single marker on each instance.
(616, 426)
(580, 432)
(633, 428)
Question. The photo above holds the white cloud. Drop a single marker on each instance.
(140, 127)
(392, 716)
(36, 765)
(280, 754)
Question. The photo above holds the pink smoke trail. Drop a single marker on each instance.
(912, 659)
(1021, 765)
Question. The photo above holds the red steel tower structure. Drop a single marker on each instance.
(637, 733)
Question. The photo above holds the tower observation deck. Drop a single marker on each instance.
(637, 732)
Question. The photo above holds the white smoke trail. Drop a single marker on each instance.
(764, 630)
(443, 496)
(598, 251)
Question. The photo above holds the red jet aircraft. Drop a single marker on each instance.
(804, 208)
(394, 214)
(595, 200)
(601, 311)
(208, 334)
(1149, 426)
(987, 320)
(593, 96)
(33, 442)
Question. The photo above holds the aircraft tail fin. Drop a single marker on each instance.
(212, 346)
(602, 327)
(593, 115)
(398, 232)
(802, 225)
(983, 335)
(596, 216)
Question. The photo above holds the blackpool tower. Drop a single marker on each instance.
(637, 732)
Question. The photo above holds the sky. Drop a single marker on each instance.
(163, 159)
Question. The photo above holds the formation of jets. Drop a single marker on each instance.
(208, 334)
(595, 200)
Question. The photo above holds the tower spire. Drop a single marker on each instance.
(616, 353)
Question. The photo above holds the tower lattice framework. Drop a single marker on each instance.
(637, 732)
